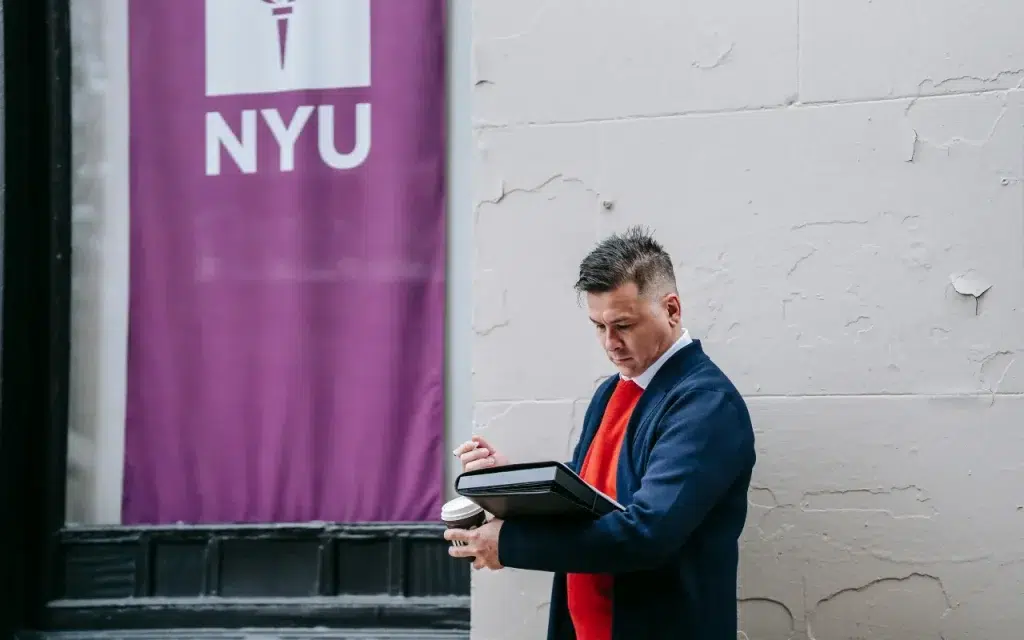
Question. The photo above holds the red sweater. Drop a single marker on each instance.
(590, 594)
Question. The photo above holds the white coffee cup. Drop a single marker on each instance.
(462, 513)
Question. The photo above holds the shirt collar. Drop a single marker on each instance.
(645, 378)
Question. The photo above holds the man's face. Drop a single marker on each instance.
(633, 329)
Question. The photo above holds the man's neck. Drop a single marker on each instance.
(682, 338)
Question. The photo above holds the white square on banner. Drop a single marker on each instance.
(272, 46)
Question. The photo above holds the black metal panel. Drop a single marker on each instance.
(268, 634)
(99, 571)
(373, 576)
(278, 569)
(358, 564)
(344, 612)
(428, 569)
(181, 567)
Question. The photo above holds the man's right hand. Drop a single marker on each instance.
(477, 453)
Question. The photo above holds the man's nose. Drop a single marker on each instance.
(611, 340)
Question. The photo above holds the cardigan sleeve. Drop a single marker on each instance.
(703, 446)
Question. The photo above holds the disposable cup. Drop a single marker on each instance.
(462, 513)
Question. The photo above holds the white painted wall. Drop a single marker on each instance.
(822, 170)
(99, 261)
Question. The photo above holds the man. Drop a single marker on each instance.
(670, 438)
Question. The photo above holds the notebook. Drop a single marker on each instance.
(534, 489)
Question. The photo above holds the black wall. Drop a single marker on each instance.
(36, 207)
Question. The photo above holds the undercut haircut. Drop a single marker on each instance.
(633, 256)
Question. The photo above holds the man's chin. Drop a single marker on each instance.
(626, 368)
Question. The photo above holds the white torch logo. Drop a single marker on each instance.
(282, 12)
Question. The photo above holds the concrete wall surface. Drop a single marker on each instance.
(839, 182)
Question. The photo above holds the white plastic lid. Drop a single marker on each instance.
(459, 508)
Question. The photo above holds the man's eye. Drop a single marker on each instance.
(622, 327)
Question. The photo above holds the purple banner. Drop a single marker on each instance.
(287, 261)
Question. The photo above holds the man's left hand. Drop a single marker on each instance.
(481, 544)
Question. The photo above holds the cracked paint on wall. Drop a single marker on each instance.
(918, 601)
(490, 303)
(897, 502)
(772, 619)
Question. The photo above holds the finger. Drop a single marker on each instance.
(462, 535)
(475, 454)
(466, 446)
(480, 464)
(461, 552)
(478, 564)
(479, 441)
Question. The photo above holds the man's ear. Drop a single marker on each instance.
(673, 307)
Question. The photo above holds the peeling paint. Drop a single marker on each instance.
(486, 331)
(772, 618)
(800, 260)
(588, 189)
(938, 124)
(910, 606)
(826, 223)
(484, 425)
(968, 284)
(722, 58)
(897, 502)
(993, 368)
(505, 191)
(861, 324)
(972, 84)
(490, 303)
(762, 497)
(914, 139)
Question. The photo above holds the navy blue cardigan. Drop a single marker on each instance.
(683, 475)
